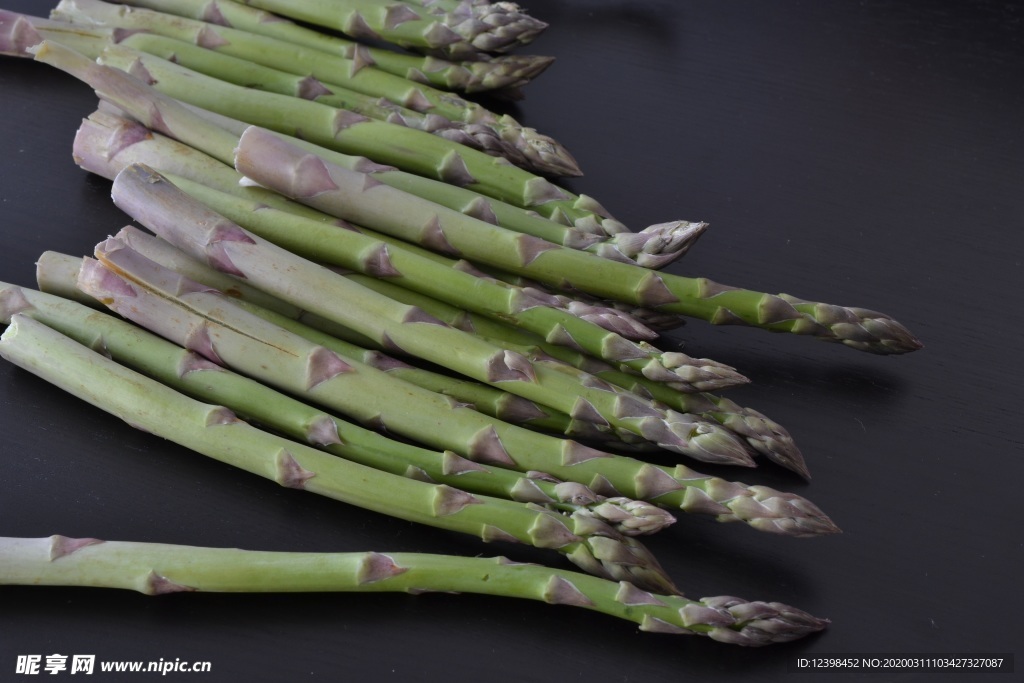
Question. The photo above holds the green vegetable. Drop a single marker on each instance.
(155, 569)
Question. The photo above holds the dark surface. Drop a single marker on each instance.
(866, 154)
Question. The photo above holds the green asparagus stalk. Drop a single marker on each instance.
(155, 569)
(251, 75)
(541, 150)
(167, 116)
(280, 166)
(653, 247)
(699, 439)
(215, 326)
(216, 432)
(763, 434)
(479, 75)
(206, 235)
(156, 111)
(494, 27)
(163, 361)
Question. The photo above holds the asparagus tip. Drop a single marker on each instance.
(756, 623)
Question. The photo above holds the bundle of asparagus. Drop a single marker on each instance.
(265, 63)
(362, 198)
(374, 396)
(97, 24)
(107, 150)
(570, 220)
(294, 286)
(217, 432)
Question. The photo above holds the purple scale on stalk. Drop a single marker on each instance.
(396, 15)
(290, 473)
(211, 39)
(62, 546)
(377, 567)
(156, 584)
(559, 591)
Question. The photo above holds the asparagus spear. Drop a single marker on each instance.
(653, 247)
(285, 168)
(494, 27)
(252, 346)
(489, 22)
(163, 361)
(479, 75)
(167, 116)
(216, 432)
(206, 235)
(154, 569)
(541, 150)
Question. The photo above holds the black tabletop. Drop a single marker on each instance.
(866, 154)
